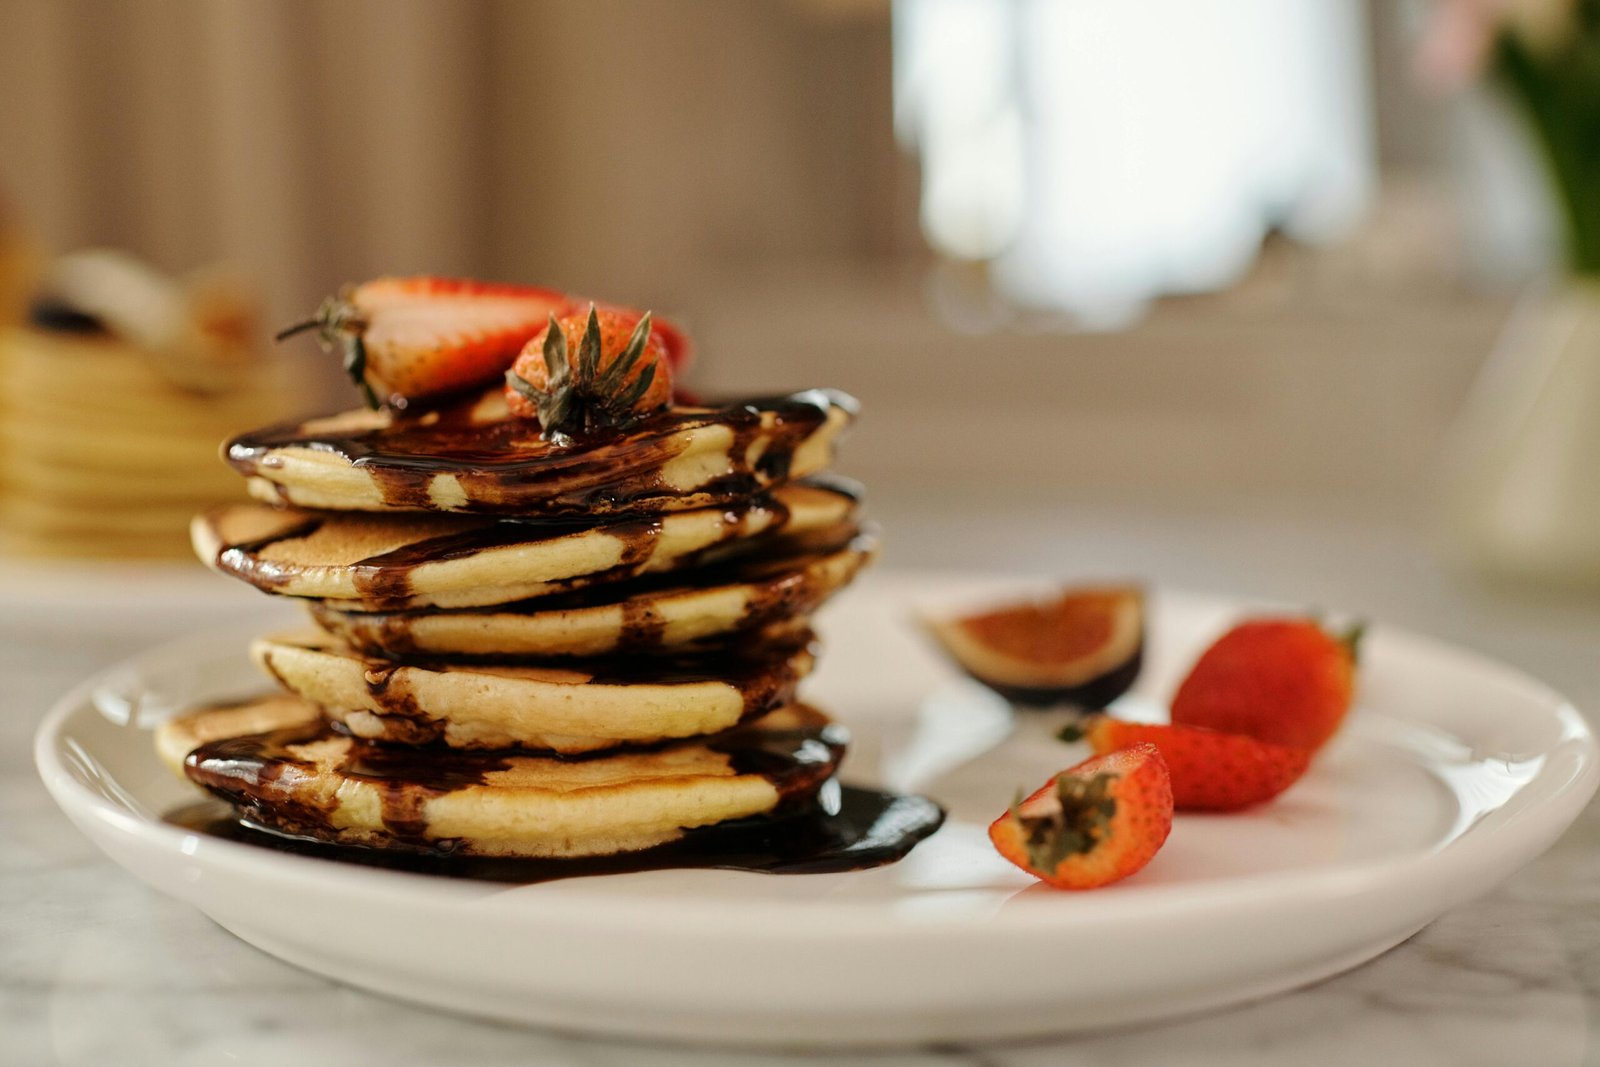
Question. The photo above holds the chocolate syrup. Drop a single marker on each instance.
(386, 577)
(850, 829)
(246, 770)
(274, 791)
(244, 558)
(815, 826)
(506, 468)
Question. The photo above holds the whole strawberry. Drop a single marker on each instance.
(1285, 681)
(1210, 771)
(407, 339)
(1092, 824)
(587, 372)
(676, 343)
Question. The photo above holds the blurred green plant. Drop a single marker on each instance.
(1555, 80)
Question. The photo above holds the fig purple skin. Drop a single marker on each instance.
(1090, 696)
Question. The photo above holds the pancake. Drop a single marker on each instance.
(308, 780)
(101, 454)
(179, 736)
(385, 562)
(476, 457)
(665, 612)
(48, 526)
(563, 706)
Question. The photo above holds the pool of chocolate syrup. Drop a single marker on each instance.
(848, 828)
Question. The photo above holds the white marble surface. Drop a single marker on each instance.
(97, 969)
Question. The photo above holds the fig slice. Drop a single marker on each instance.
(1081, 647)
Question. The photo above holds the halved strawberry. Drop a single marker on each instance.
(1210, 771)
(1287, 681)
(593, 371)
(1092, 824)
(406, 339)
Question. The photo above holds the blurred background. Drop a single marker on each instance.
(1202, 259)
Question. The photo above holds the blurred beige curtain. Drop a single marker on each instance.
(297, 139)
(612, 145)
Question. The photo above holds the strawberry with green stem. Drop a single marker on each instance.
(620, 372)
(405, 340)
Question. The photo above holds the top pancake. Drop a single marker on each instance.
(476, 457)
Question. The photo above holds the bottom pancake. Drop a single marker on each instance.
(308, 780)
(177, 737)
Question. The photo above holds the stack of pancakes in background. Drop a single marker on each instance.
(113, 396)
(527, 649)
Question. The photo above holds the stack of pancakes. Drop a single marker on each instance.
(102, 454)
(531, 649)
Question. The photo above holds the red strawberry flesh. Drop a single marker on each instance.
(1210, 771)
(1286, 681)
(1092, 824)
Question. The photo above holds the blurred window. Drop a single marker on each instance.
(1099, 153)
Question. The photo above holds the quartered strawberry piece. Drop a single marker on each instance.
(1210, 771)
(1092, 824)
(1285, 681)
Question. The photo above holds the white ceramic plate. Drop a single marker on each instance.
(1451, 773)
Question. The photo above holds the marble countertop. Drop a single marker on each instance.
(95, 968)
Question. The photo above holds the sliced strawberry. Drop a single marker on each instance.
(1287, 681)
(396, 291)
(1210, 771)
(1092, 824)
(406, 339)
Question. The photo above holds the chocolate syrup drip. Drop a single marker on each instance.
(244, 558)
(642, 625)
(506, 468)
(852, 830)
(386, 577)
(246, 770)
(404, 722)
(776, 561)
